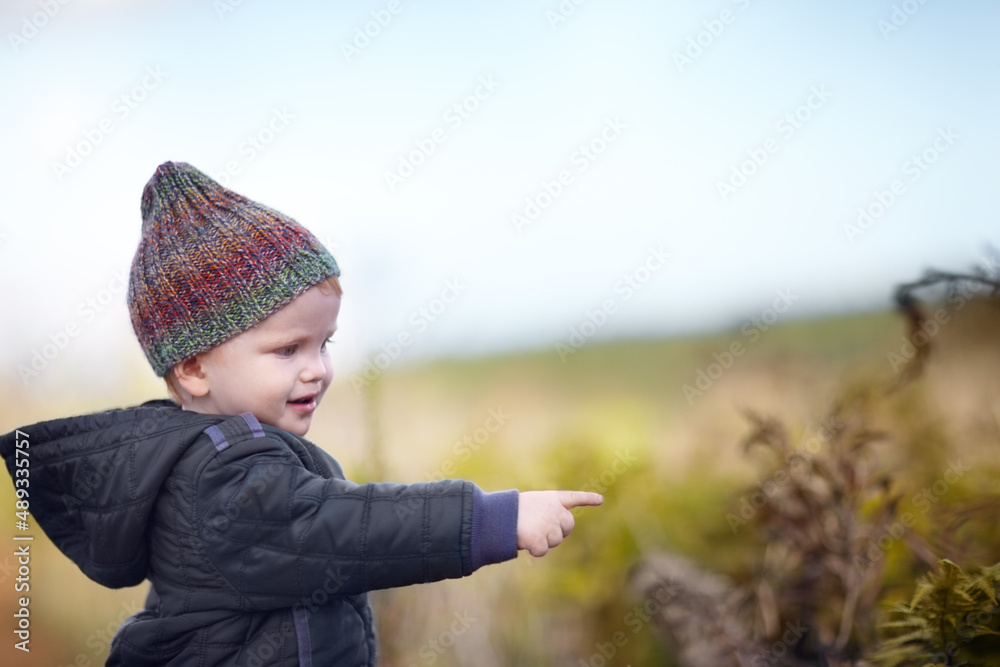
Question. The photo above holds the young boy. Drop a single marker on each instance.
(258, 550)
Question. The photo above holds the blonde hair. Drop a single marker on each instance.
(327, 285)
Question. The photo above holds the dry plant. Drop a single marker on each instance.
(698, 612)
(981, 281)
(826, 518)
(812, 597)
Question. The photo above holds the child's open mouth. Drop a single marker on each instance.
(305, 403)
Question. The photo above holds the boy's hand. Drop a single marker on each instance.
(544, 518)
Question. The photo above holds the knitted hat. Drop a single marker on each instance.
(211, 264)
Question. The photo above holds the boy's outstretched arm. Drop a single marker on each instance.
(278, 529)
(544, 518)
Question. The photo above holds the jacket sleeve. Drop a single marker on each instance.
(279, 532)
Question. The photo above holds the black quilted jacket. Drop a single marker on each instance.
(258, 550)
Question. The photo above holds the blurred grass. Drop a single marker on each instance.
(569, 423)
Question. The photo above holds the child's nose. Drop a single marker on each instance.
(314, 370)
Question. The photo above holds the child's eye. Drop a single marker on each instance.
(286, 351)
(328, 341)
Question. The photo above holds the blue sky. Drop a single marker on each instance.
(200, 81)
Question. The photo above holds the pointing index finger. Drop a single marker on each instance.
(571, 499)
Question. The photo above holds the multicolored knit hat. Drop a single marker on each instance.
(211, 264)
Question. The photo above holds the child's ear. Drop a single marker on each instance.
(191, 377)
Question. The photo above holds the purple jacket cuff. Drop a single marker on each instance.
(494, 527)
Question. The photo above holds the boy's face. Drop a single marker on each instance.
(278, 369)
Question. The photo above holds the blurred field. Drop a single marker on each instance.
(612, 417)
